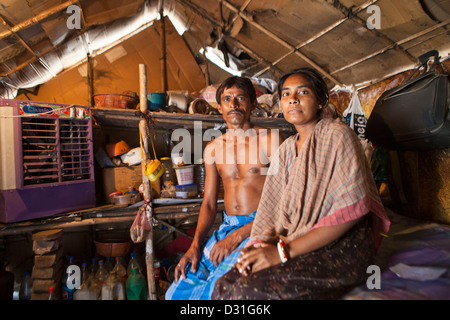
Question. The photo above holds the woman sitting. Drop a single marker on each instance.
(318, 222)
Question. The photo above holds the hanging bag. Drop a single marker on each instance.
(415, 114)
(354, 115)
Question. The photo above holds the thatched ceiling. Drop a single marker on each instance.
(261, 38)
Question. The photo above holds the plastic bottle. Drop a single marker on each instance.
(84, 272)
(120, 271)
(51, 293)
(101, 275)
(119, 292)
(26, 287)
(107, 264)
(133, 264)
(93, 267)
(136, 286)
(108, 287)
(67, 294)
(157, 268)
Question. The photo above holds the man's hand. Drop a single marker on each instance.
(222, 249)
(191, 256)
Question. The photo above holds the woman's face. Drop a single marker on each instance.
(298, 101)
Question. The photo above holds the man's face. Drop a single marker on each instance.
(235, 106)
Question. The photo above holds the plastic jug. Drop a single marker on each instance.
(136, 286)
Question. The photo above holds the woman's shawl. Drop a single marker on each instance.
(329, 183)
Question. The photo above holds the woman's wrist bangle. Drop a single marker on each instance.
(281, 245)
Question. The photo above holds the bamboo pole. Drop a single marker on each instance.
(90, 80)
(144, 132)
(163, 48)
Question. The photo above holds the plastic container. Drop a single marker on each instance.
(108, 287)
(67, 293)
(116, 149)
(26, 287)
(133, 264)
(120, 271)
(157, 268)
(119, 291)
(200, 175)
(157, 100)
(185, 174)
(101, 275)
(132, 157)
(135, 196)
(84, 272)
(186, 191)
(136, 286)
(169, 174)
(154, 170)
(51, 293)
(121, 199)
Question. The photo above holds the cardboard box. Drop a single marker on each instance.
(119, 178)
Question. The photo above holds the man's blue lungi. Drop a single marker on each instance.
(200, 285)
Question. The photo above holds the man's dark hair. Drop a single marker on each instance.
(240, 83)
(315, 80)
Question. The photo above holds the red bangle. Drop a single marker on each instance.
(281, 245)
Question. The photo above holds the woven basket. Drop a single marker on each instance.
(112, 100)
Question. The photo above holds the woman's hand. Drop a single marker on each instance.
(257, 257)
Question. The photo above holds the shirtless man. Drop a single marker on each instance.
(240, 157)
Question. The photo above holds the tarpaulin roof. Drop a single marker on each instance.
(348, 41)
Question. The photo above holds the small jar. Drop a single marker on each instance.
(168, 175)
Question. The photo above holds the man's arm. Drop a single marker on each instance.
(206, 218)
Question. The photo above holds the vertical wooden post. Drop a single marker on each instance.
(90, 77)
(163, 48)
(145, 137)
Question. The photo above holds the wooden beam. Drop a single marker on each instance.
(162, 36)
(145, 146)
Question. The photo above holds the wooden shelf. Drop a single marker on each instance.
(130, 118)
(108, 214)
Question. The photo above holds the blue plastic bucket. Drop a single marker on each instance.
(156, 100)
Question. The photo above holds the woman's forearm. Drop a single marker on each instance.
(317, 238)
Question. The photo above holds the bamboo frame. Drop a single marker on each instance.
(163, 47)
(144, 132)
